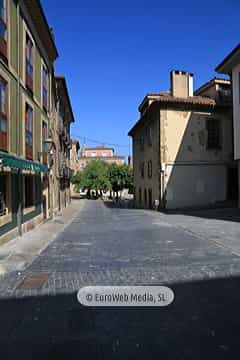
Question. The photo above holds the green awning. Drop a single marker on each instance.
(21, 164)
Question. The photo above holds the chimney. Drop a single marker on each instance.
(181, 84)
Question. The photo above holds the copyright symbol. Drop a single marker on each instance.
(89, 297)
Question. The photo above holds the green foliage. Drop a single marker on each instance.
(93, 177)
(121, 177)
(100, 176)
(77, 181)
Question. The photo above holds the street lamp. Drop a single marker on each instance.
(50, 145)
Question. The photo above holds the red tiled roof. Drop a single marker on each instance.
(165, 97)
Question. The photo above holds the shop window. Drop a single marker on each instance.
(4, 194)
(29, 184)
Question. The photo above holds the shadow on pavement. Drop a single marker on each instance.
(225, 214)
(121, 205)
(202, 323)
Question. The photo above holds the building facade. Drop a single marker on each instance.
(99, 153)
(74, 162)
(231, 66)
(182, 146)
(27, 119)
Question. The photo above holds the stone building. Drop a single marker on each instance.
(28, 119)
(27, 54)
(99, 153)
(231, 66)
(74, 161)
(182, 146)
(59, 156)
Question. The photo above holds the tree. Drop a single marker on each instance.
(121, 177)
(93, 177)
(77, 181)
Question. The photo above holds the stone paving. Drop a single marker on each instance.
(41, 318)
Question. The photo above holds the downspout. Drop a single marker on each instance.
(19, 175)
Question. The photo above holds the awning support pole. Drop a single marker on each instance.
(20, 207)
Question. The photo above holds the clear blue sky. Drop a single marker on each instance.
(114, 52)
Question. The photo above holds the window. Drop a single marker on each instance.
(140, 195)
(214, 134)
(150, 168)
(142, 170)
(29, 132)
(29, 63)
(3, 115)
(145, 197)
(45, 88)
(44, 144)
(150, 203)
(3, 28)
(3, 194)
(29, 191)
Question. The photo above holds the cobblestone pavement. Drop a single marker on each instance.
(41, 318)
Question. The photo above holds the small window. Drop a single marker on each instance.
(29, 63)
(150, 168)
(3, 115)
(3, 28)
(45, 88)
(29, 191)
(214, 134)
(29, 132)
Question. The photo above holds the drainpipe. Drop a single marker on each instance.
(19, 173)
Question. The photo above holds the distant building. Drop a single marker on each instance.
(182, 146)
(99, 153)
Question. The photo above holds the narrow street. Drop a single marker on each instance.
(41, 318)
